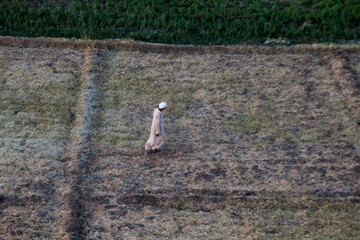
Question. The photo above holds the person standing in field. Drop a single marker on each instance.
(157, 134)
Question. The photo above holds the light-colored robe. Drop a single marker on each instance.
(154, 142)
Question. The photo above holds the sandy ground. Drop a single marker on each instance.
(260, 145)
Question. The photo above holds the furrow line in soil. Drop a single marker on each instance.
(340, 66)
(80, 150)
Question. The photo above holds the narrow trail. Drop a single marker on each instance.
(80, 150)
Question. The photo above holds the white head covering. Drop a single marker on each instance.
(162, 105)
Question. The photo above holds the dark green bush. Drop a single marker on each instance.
(198, 22)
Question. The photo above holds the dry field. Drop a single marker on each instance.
(263, 142)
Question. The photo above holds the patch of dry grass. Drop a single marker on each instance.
(271, 124)
(232, 109)
(250, 220)
(38, 94)
(261, 143)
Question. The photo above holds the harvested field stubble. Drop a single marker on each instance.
(247, 126)
(260, 144)
(38, 93)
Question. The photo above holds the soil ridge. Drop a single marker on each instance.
(80, 151)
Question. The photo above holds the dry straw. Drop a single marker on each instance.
(175, 81)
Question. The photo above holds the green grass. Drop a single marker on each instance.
(183, 21)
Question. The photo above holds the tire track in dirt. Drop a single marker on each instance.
(80, 151)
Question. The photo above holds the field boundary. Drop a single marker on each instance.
(340, 66)
(80, 150)
(118, 44)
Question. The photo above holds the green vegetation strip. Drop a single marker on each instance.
(198, 22)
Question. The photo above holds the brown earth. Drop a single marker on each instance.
(263, 142)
